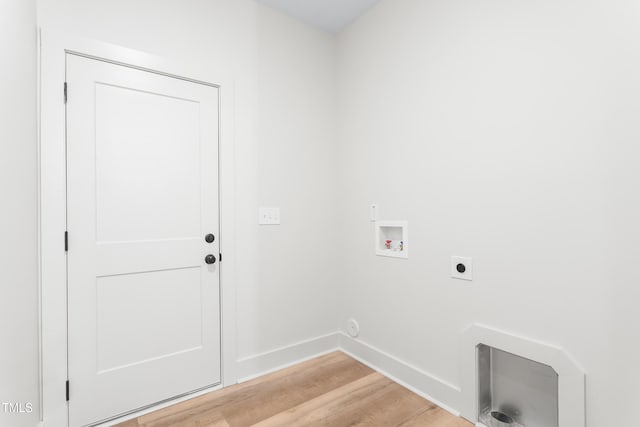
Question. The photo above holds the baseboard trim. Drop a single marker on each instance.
(447, 396)
(422, 383)
(283, 357)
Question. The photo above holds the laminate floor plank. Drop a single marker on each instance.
(319, 409)
(270, 397)
(253, 401)
(436, 417)
(331, 390)
(387, 406)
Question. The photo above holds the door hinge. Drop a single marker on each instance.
(65, 92)
(220, 257)
(67, 389)
(66, 241)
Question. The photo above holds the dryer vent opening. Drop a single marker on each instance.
(514, 391)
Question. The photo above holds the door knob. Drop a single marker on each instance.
(209, 238)
(210, 259)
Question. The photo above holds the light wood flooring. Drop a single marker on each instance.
(332, 390)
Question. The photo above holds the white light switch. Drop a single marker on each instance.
(269, 216)
(462, 268)
(373, 213)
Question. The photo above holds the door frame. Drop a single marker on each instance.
(53, 47)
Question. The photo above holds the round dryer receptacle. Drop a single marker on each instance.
(353, 328)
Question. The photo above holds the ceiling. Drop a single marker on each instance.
(328, 15)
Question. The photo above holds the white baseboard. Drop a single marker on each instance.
(283, 357)
(432, 388)
(422, 383)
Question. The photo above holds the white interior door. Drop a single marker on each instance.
(142, 194)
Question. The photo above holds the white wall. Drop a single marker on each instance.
(18, 178)
(506, 131)
(284, 80)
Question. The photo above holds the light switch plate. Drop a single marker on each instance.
(269, 216)
(373, 213)
(467, 274)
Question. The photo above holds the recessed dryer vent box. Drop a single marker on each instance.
(514, 391)
(392, 239)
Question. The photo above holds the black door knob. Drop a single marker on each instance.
(210, 259)
(461, 268)
(209, 238)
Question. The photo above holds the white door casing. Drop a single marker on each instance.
(142, 193)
